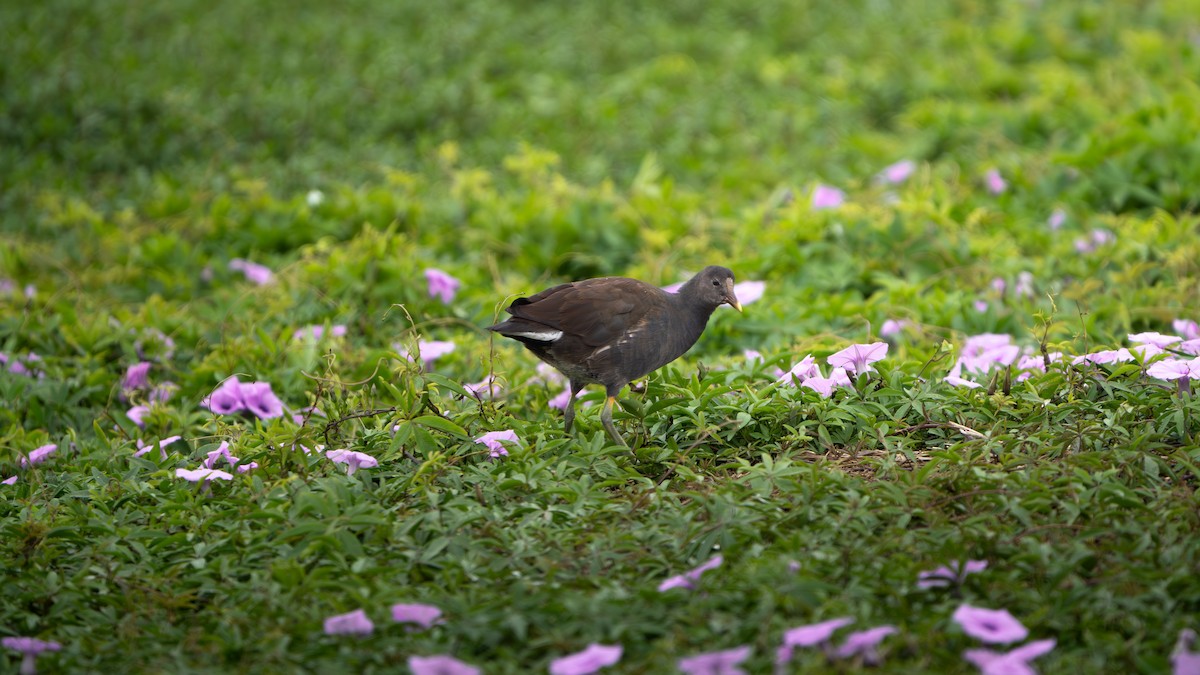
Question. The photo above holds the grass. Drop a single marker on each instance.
(516, 145)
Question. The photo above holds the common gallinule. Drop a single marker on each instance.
(613, 330)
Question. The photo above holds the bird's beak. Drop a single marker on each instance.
(730, 297)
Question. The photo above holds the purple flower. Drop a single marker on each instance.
(494, 441)
(946, 575)
(136, 377)
(163, 392)
(1156, 342)
(827, 197)
(864, 642)
(857, 358)
(995, 182)
(137, 414)
(824, 385)
(485, 388)
(1056, 219)
(1190, 329)
(143, 448)
(38, 455)
(257, 274)
(196, 475)
(674, 288)
(560, 401)
(441, 285)
(30, 648)
(11, 480)
(247, 467)
(957, 381)
(260, 400)
(990, 625)
(221, 451)
(981, 306)
(716, 663)
(587, 661)
(1105, 356)
(1174, 369)
(808, 636)
(749, 291)
(353, 460)
(350, 623)
(999, 284)
(690, 578)
(30, 291)
(226, 399)
(439, 665)
(316, 332)
(898, 172)
(752, 355)
(1184, 661)
(806, 368)
(892, 327)
(422, 615)
(427, 351)
(1015, 662)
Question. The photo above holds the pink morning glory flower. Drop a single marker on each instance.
(1154, 338)
(29, 648)
(441, 285)
(353, 460)
(898, 172)
(1184, 661)
(137, 414)
(959, 381)
(990, 625)
(999, 284)
(350, 623)
(1121, 355)
(716, 663)
(1173, 369)
(260, 400)
(864, 643)
(806, 368)
(892, 327)
(1190, 347)
(981, 306)
(995, 182)
(317, 331)
(588, 661)
(494, 440)
(690, 578)
(136, 377)
(440, 665)
(143, 448)
(11, 480)
(226, 399)
(808, 636)
(1015, 662)
(38, 455)
(857, 358)
(488, 387)
(247, 467)
(254, 272)
(560, 401)
(752, 355)
(749, 291)
(422, 615)
(827, 197)
(948, 574)
(1057, 219)
(1190, 329)
(427, 351)
(163, 392)
(825, 385)
(222, 451)
(196, 475)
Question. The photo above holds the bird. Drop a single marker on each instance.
(613, 330)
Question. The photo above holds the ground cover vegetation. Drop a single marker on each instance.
(251, 421)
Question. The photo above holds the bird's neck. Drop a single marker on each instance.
(693, 319)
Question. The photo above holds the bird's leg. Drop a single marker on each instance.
(569, 412)
(606, 418)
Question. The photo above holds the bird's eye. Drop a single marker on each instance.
(716, 282)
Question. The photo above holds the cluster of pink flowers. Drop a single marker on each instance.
(982, 353)
(234, 396)
(207, 470)
(22, 365)
(998, 626)
(316, 332)
(854, 360)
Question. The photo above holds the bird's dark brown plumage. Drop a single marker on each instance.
(613, 330)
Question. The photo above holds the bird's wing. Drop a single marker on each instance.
(597, 311)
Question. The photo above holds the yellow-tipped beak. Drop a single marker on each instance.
(730, 297)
